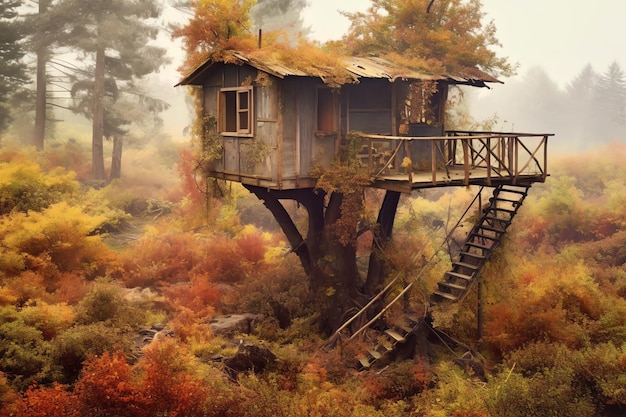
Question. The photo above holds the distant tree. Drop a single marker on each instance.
(42, 36)
(13, 72)
(582, 112)
(582, 87)
(116, 34)
(539, 101)
(611, 97)
(280, 15)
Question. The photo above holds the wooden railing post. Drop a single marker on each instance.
(545, 157)
(466, 159)
(488, 161)
(433, 155)
(516, 159)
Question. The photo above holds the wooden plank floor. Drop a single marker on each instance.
(453, 177)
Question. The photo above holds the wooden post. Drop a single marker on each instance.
(281, 139)
(466, 160)
(433, 155)
(479, 311)
(488, 161)
(509, 159)
(545, 157)
(516, 159)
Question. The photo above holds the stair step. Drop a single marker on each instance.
(453, 286)
(479, 245)
(465, 265)
(375, 354)
(387, 346)
(459, 275)
(365, 364)
(491, 228)
(446, 295)
(494, 238)
(503, 210)
(473, 255)
(505, 200)
(412, 318)
(406, 329)
(395, 335)
(497, 219)
(521, 189)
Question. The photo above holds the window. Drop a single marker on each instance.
(236, 111)
(325, 110)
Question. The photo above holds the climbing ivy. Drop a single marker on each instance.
(347, 177)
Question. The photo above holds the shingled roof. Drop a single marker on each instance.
(356, 68)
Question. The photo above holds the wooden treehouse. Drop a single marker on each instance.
(275, 126)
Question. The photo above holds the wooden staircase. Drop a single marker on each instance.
(388, 339)
(483, 239)
(480, 244)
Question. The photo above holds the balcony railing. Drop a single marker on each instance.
(463, 155)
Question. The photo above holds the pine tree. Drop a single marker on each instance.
(581, 110)
(280, 15)
(116, 35)
(611, 98)
(13, 72)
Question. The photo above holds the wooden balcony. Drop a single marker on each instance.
(460, 158)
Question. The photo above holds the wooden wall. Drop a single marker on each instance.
(285, 145)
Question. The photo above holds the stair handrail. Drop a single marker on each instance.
(408, 286)
(366, 306)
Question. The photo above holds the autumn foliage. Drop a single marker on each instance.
(85, 272)
(71, 307)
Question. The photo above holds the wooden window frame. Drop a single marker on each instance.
(231, 115)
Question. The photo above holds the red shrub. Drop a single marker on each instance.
(70, 288)
(161, 259)
(106, 387)
(252, 246)
(47, 402)
(169, 383)
(223, 260)
(196, 295)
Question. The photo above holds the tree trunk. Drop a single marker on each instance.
(97, 147)
(40, 103)
(335, 279)
(336, 284)
(116, 157)
(382, 235)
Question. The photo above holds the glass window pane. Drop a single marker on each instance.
(230, 111)
(244, 100)
(243, 121)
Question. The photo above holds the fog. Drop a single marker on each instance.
(587, 112)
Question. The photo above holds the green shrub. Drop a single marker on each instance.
(72, 347)
(24, 354)
(105, 303)
(550, 393)
(24, 186)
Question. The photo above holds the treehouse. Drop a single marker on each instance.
(271, 127)
(275, 125)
